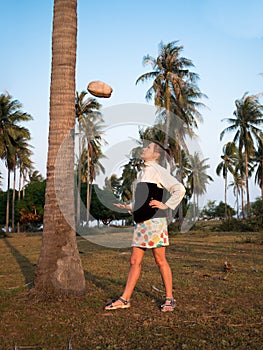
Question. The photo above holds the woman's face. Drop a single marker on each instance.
(149, 153)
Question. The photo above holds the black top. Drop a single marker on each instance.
(144, 193)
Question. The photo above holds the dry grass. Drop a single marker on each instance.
(215, 309)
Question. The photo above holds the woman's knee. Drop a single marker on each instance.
(136, 258)
(161, 261)
(135, 261)
(159, 256)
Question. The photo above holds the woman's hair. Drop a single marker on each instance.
(163, 152)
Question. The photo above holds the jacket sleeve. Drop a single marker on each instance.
(173, 186)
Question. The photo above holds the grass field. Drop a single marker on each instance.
(215, 309)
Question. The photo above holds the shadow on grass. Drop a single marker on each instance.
(26, 267)
(106, 285)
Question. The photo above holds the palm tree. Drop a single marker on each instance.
(22, 152)
(258, 159)
(25, 165)
(35, 176)
(198, 178)
(91, 167)
(176, 93)
(247, 122)
(11, 115)
(238, 190)
(90, 133)
(227, 164)
(240, 171)
(172, 80)
(59, 269)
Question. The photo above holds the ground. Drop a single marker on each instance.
(216, 309)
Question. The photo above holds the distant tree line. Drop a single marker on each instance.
(176, 95)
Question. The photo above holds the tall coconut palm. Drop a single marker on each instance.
(90, 133)
(11, 117)
(238, 184)
(171, 79)
(227, 165)
(198, 177)
(59, 269)
(22, 151)
(175, 89)
(240, 171)
(247, 125)
(258, 159)
(91, 156)
(25, 165)
(91, 165)
(87, 113)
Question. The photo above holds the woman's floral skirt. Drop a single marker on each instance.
(151, 233)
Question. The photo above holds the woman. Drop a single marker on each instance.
(150, 231)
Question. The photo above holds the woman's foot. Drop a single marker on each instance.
(169, 305)
(118, 304)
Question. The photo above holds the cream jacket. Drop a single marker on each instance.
(155, 173)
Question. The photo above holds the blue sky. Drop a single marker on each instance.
(223, 38)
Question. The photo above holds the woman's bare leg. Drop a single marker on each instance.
(134, 273)
(165, 270)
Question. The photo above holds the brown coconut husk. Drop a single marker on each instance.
(99, 89)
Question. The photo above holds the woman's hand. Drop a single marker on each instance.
(159, 205)
(122, 206)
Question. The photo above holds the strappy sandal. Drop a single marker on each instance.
(125, 304)
(169, 305)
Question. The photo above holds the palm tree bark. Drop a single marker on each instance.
(79, 181)
(59, 269)
(225, 195)
(242, 203)
(180, 209)
(247, 187)
(13, 200)
(88, 198)
(7, 203)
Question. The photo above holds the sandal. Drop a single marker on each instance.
(169, 305)
(125, 304)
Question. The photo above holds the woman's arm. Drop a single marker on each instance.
(173, 186)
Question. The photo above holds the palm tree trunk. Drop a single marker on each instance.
(225, 196)
(13, 201)
(167, 125)
(7, 203)
(242, 202)
(19, 196)
(237, 205)
(88, 198)
(59, 270)
(79, 181)
(180, 210)
(247, 188)
(168, 117)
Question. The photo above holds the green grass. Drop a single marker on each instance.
(215, 310)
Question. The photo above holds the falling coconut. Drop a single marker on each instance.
(99, 89)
